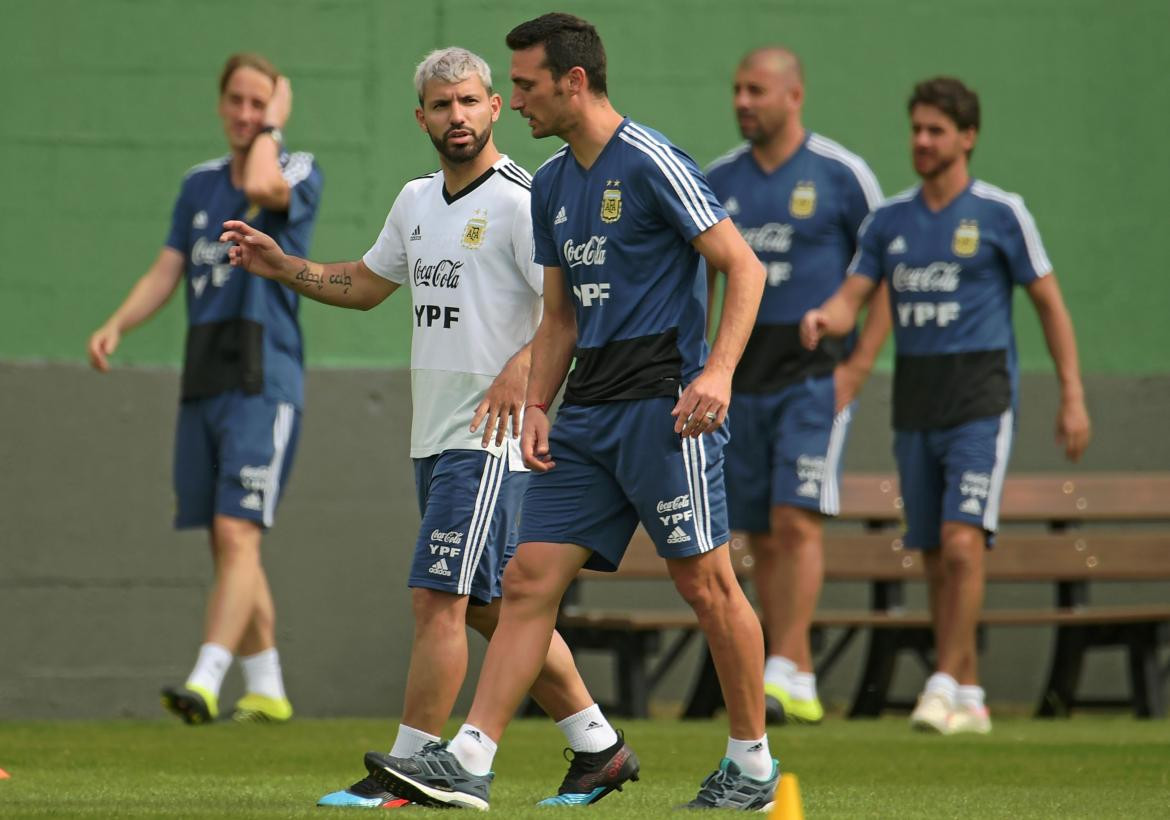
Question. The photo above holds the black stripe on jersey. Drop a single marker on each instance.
(431, 175)
(943, 390)
(513, 177)
(774, 358)
(527, 177)
(641, 368)
(467, 189)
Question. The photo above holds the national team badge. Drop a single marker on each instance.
(611, 201)
(803, 202)
(966, 241)
(252, 212)
(475, 230)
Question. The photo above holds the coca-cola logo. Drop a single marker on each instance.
(589, 252)
(937, 277)
(207, 252)
(452, 537)
(442, 274)
(774, 237)
(679, 503)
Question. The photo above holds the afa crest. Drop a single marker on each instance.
(474, 232)
(611, 201)
(966, 241)
(252, 212)
(803, 202)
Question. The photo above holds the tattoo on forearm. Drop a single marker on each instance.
(342, 279)
(309, 278)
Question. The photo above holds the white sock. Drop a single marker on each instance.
(802, 686)
(410, 741)
(473, 749)
(971, 697)
(588, 730)
(262, 674)
(752, 757)
(944, 684)
(778, 670)
(210, 667)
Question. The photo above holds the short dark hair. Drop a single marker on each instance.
(950, 96)
(246, 60)
(568, 41)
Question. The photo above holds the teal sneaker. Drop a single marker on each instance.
(729, 788)
(367, 793)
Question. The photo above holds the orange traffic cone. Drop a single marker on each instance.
(787, 802)
(4, 775)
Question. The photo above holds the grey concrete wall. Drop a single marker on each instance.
(101, 601)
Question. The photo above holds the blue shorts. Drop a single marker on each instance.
(619, 463)
(785, 449)
(470, 506)
(955, 474)
(233, 455)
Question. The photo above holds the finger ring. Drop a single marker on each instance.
(710, 415)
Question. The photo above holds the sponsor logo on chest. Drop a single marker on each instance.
(441, 274)
(589, 252)
(772, 237)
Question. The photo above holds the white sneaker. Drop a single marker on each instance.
(970, 719)
(932, 714)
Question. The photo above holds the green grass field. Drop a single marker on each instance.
(1088, 767)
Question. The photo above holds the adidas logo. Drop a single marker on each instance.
(416, 234)
(440, 568)
(759, 747)
(971, 507)
(561, 218)
(732, 206)
(593, 724)
(808, 489)
(473, 733)
(677, 536)
(252, 501)
(897, 246)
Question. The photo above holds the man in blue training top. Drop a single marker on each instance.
(951, 250)
(242, 384)
(798, 198)
(620, 217)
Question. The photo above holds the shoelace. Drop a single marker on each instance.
(713, 788)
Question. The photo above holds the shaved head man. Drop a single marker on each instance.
(798, 198)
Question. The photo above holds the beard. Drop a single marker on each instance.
(459, 154)
(938, 166)
(754, 131)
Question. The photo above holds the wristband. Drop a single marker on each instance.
(274, 132)
(543, 405)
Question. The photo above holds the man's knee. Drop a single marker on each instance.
(796, 526)
(706, 582)
(235, 540)
(962, 548)
(524, 582)
(437, 610)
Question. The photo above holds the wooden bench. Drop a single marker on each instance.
(1068, 531)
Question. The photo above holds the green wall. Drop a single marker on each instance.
(107, 102)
